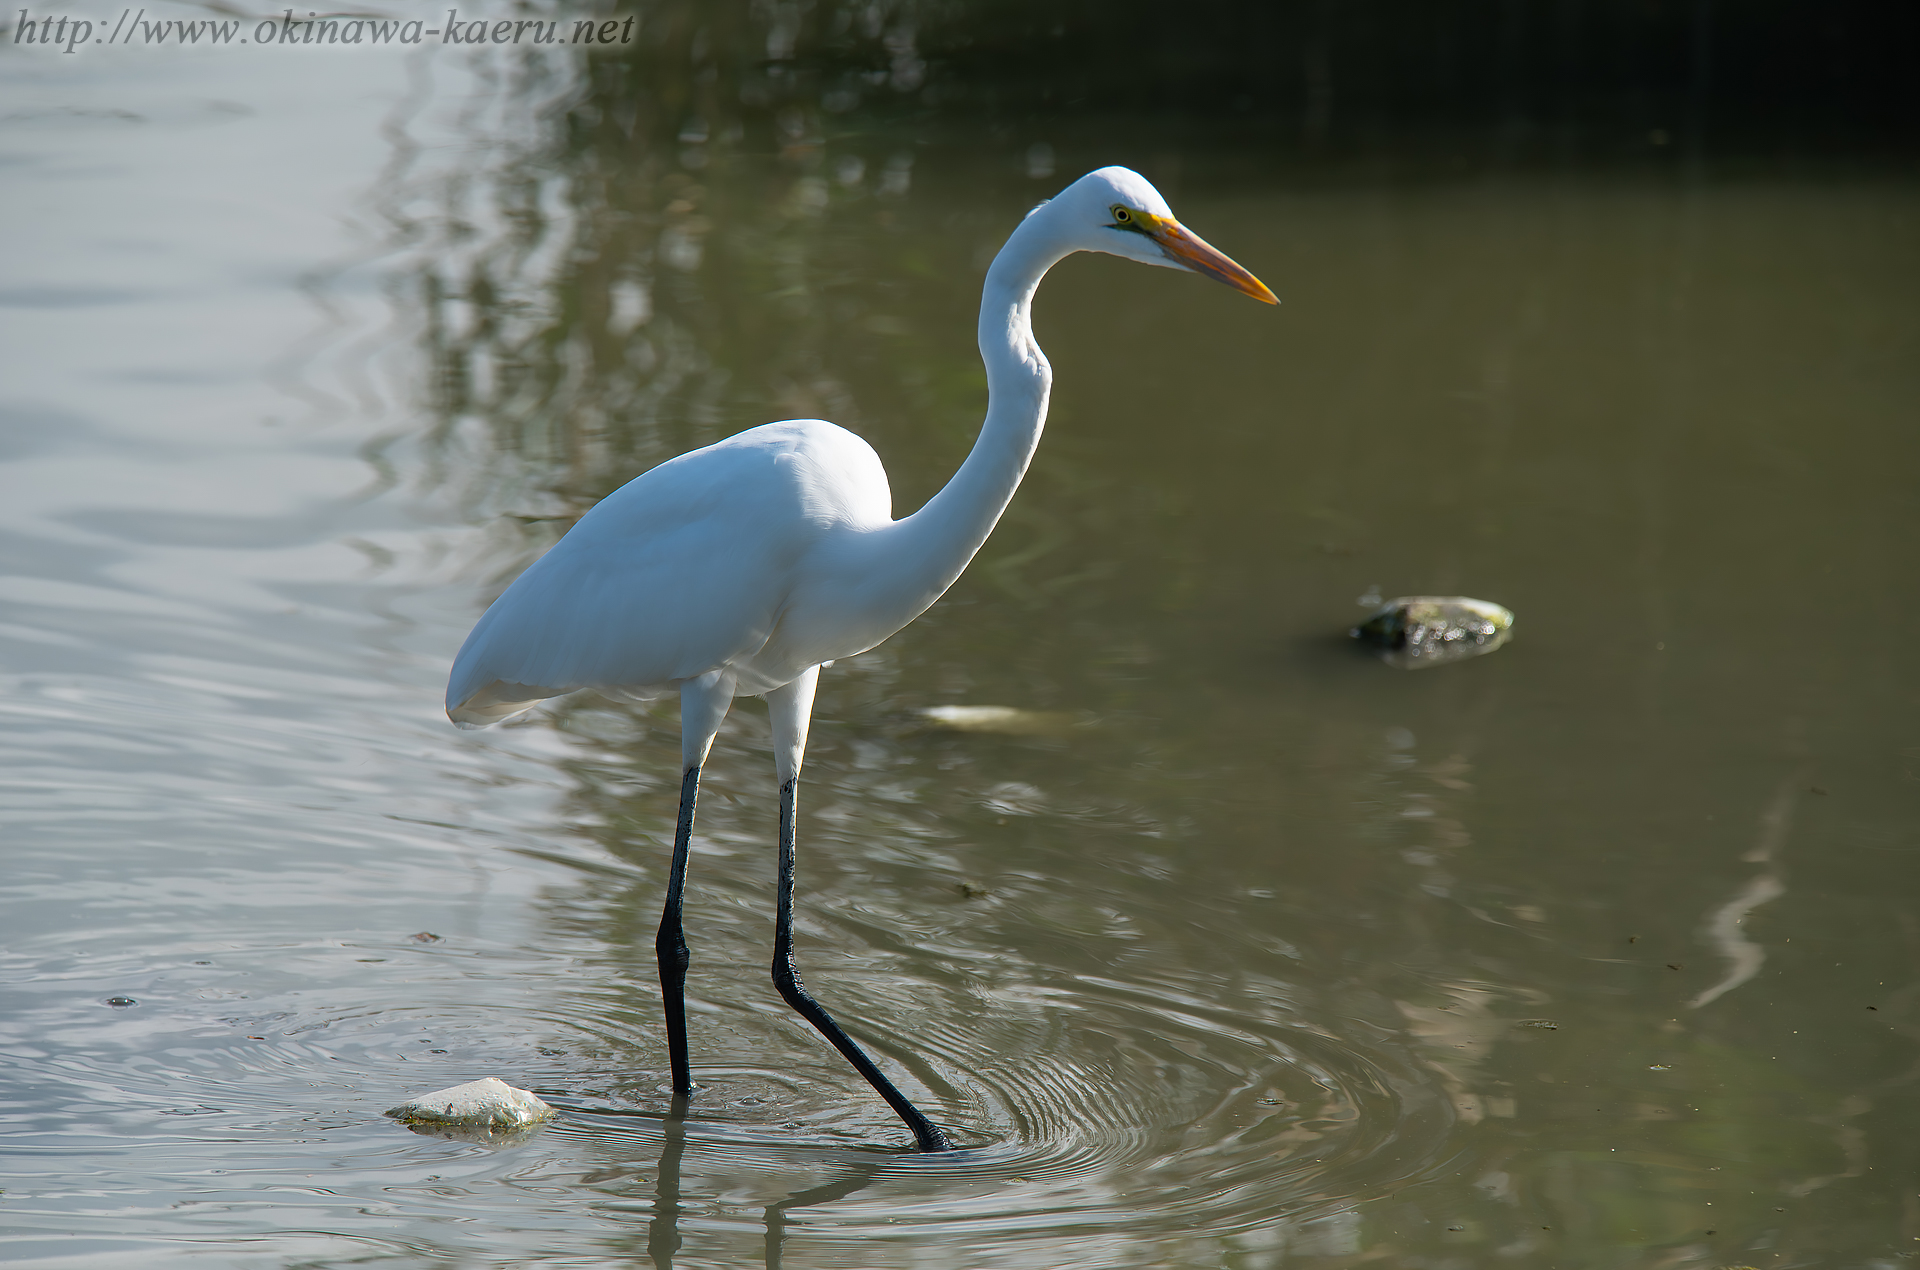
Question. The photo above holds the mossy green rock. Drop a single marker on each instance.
(1417, 631)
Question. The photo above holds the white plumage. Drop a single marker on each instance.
(743, 566)
(719, 560)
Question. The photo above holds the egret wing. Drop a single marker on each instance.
(682, 570)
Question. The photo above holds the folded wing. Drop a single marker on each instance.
(680, 571)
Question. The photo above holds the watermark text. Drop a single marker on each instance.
(133, 26)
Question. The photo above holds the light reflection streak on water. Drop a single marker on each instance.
(1744, 957)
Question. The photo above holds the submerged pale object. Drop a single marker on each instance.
(1006, 720)
(1417, 631)
(489, 1103)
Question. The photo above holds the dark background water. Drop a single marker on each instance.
(1600, 951)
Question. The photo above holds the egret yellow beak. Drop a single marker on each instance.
(1196, 253)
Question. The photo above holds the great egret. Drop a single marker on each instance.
(745, 566)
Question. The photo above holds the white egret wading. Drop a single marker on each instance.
(742, 567)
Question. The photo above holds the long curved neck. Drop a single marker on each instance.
(936, 542)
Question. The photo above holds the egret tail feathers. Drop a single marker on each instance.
(496, 702)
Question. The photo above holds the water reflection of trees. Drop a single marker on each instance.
(577, 281)
(643, 259)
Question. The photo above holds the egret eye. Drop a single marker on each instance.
(1121, 214)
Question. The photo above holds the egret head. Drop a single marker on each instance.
(1116, 210)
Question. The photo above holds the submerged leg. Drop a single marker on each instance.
(786, 977)
(703, 704)
(671, 943)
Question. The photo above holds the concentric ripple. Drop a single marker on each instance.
(1083, 1108)
(1076, 1108)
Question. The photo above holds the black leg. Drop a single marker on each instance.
(786, 977)
(671, 943)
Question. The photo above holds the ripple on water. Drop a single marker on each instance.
(1079, 1106)
(1114, 1102)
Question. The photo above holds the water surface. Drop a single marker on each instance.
(1599, 951)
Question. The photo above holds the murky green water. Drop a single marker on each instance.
(1600, 951)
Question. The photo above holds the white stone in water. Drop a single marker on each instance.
(488, 1104)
